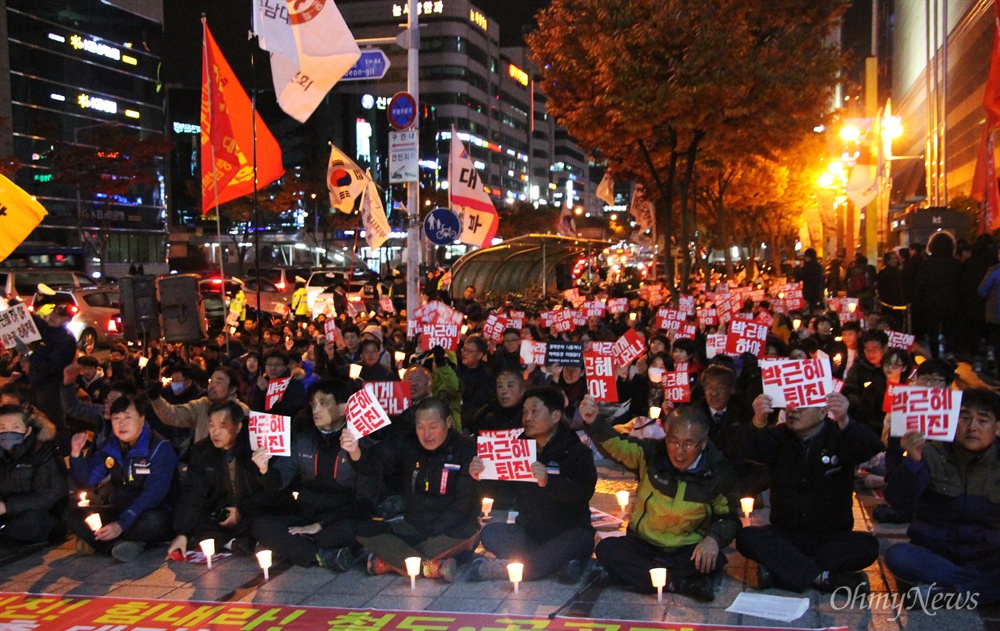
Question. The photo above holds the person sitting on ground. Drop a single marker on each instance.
(32, 477)
(953, 490)
(91, 380)
(287, 402)
(552, 531)
(140, 467)
(222, 492)
(440, 519)
(811, 538)
(685, 512)
(504, 411)
(222, 387)
(332, 499)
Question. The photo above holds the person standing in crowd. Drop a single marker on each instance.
(811, 277)
(937, 293)
(300, 301)
(49, 357)
(890, 286)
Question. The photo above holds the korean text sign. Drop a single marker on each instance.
(505, 456)
(797, 383)
(931, 411)
(364, 413)
(272, 431)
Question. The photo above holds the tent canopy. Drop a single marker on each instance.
(518, 263)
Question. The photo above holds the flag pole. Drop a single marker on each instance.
(256, 206)
(215, 180)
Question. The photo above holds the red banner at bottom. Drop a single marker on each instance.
(66, 613)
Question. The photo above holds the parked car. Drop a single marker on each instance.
(216, 308)
(361, 278)
(272, 299)
(23, 283)
(96, 312)
(283, 278)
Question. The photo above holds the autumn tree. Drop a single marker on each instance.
(648, 82)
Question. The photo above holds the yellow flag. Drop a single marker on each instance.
(20, 213)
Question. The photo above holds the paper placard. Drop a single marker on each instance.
(494, 326)
(715, 344)
(272, 431)
(677, 386)
(275, 392)
(628, 348)
(669, 319)
(600, 372)
(708, 318)
(746, 337)
(506, 456)
(931, 411)
(393, 396)
(564, 353)
(594, 308)
(617, 305)
(781, 608)
(797, 383)
(898, 339)
(16, 325)
(532, 353)
(440, 334)
(365, 414)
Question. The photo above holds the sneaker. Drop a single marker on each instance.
(572, 571)
(856, 582)
(698, 587)
(377, 566)
(443, 569)
(886, 514)
(764, 578)
(83, 548)
(127, 551)
(484, 569)
(336, 559)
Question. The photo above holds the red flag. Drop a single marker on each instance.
(227, 134)
(984, 182)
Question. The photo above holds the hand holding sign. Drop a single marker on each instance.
(364, 413)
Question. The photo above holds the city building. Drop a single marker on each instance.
(74, 74)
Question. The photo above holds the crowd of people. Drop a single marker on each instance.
(158, 440)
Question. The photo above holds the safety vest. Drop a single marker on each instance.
(300, 306)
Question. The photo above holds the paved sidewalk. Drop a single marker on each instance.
(60, 571)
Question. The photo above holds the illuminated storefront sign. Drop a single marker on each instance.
(477, 18)
(94, 47)
(518, 75)
(426, 7)
(85, 101)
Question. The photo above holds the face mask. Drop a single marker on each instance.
(655, 374)
(9, 440)
(177, 387)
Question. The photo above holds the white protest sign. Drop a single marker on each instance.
(505, 456)
(272, 431)
(16, 325)
(365, 414)
(931, 411)
(797, 383)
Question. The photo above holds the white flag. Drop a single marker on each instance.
(863, 184)
(567, 224)
(606, 189)
(324, 50)
(373, 215)
(345, 180)
(468, 199)
(642, 209)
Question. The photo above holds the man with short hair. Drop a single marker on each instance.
(442, 506)
(333, 498)
(49, 357)
(552, 532)
(952, 489)
(729, 415)
(866, 371)
(32, 481)
(140, 467)
(508, 354)
(222, 387)
(90, 380)
(685, 512)
(477, 378)
(811, 538)
(291, 400)
(503, 411)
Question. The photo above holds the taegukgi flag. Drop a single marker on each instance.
(345, 179)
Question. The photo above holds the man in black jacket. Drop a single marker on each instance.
(32, 477)
(553, 530)
(222, 491)
(291, 400)
(49, 357)
(728, 415)
(811, 538)
(477, 378)
(811, 277)
(442, 506)
(332, 497)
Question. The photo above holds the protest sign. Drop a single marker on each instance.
(628, 348)
(669, 319)
(275, 392)
(708, 318)
(931, 411)
(272, 431)
(686, 331)
(365, 414)
(441, 334)
(563, 321)
(494, 327)
(333, 334)
(532, 353)
(564, 353)
(715, 344)
(617, 305)
(901, 340)
(686, 304)
(746, 337)
(594, 309)
(393, 396)
(505, 456)
(16, 325)
(600, 373)
(604, 348)
(795, 383)
(677, 386)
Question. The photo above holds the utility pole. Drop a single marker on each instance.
(413, 188)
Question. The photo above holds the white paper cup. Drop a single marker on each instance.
(355, 371)
(515, 572)
(622, 497)
(94, 521)
(400, 356)
(654, 412)
(487, 506)
(746, 505)
(264, 560)
(208, 549)
(413, 570)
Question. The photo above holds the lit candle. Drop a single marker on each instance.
(465, 329)
(84, 502)
(264, 560)
(295, 495)
(413, 570)
(515, 572)
(658, 575)
(94, 521)
(208, 549)
(166, 381)
(355, 371)
(796, 323)
(746, 504)
(402, 372)
(487, 506)
(852, 306)
(654, 412)
(632, 317)
(622, 497)
(400, 356)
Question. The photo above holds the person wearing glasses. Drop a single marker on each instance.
(684, 513)
(953, 490)
(811, 539)
(479, 382)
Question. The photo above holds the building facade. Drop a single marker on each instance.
(77, 74)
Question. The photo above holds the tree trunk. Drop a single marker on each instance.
(664, 209)
(686, 212)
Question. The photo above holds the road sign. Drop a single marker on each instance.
(372, 65)
(442, 226)
(403, 156)
(402, 110)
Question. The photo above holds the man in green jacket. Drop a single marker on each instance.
(685, 512)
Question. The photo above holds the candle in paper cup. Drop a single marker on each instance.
(658, 576)
(654, 412)
(796, 323)
(94, 522)
(515, 572)
(355, 371)
(295, 495)
(632, 317)
(84, 502)
(465, 329)
(264, 560)
(413, 570)
(622, 497)
(400, 356)
(208, 549)
(487, 506)
(746, 505)
(402, 373)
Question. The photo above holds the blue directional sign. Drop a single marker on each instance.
(372, 65)
(442, 226)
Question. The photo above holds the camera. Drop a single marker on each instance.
(221, 514)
